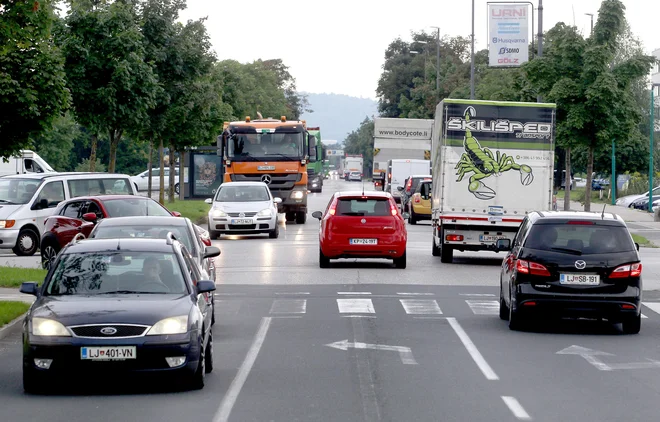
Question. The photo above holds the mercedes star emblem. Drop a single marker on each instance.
(266, 179)
(580, 265)
(363, 221)
(108, 331)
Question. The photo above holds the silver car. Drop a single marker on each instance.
(243, 208)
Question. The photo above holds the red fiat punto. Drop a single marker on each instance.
(362, 225)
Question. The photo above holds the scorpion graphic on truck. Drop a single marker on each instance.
(483, 163)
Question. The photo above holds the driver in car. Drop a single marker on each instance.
(151, 270)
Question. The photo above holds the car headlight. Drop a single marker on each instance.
(172, 325)
(49, 327)
(264, 213)
(6, 224)
(298, 194)
(218, 213)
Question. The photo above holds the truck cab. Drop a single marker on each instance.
(25, 162)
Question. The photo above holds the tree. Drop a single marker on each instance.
(593, 92)
(113, 85)
(32, 82)
(361, 141)
(296, 103)
(55, 144)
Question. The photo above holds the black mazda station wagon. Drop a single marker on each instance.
(572, 264)
(118, 306)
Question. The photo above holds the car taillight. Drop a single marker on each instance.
(628, 270)
(393, 209)
(333, 208)
(417, 200)
(528, 267)
(409, 185)
(454, 238)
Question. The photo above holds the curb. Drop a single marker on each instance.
(12, 326)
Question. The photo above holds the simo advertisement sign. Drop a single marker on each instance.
(509, 36)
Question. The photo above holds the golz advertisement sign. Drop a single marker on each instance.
(509, 36)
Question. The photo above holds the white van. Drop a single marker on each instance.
(27, 199)
(24, 163)
(399, 170)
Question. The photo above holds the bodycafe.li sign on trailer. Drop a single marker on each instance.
(509, 35)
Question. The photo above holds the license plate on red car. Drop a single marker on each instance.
(363, 241)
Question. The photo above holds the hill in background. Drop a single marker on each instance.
(338, 115)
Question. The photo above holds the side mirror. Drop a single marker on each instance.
(90, 217)
(405, 215)
(176, 213)
(205, 286)
(317, 214)
(277, 200)
(503, 244)
(637, 245)
(208, 201)
(212, 252)
(29, 288)
(399, 188)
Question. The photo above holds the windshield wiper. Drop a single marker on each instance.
(284, 155)
(128, 292)
(573, 251)
(4, 201)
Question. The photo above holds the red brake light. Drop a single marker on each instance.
(581, 223)
(628, 270)
(393, 209)
(333, 208)
(527, 267)
(454, 237)
(409, 185)
(417, 200)
(522, 266)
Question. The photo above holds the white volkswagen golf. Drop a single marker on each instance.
(243, 208)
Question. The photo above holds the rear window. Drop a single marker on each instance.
(588, 239)
(92, 187)
(364, 207)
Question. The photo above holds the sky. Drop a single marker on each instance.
(339, 46)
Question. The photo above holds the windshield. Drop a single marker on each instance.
(134, 207)
(112, 231)
(242, 194)
(17, 191)
(117, 272)
(265, 145)
(585, 239)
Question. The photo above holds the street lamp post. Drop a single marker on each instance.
(437, 65)
(651, 144)
(472, 57)
(592, 21)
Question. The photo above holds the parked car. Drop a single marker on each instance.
(420, 203)
(141, 181)
(243, 208)
(118, 306)
(80, 215)
(571, 264)
(362, 225)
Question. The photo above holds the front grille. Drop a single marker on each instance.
(242, 226)
(279, 181)
(94, 331)
(237, 214)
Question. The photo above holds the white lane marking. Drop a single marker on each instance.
(484, 307)
(429, 317)
(370, 406)
(291, 293)
(353, 293)
(228, 307)
(416, 294)
(356, 306)
(405, 353)
(228, 401)
(644, 316)
(289, 306)
(421, 306)
(477, 294)
(515, 408)
(472, 350)
(654, 306)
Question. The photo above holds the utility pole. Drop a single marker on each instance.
(437, 65)
(539, 98)
(472, 57)
(651, 145)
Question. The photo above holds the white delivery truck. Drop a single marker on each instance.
(353, 163)
(24, 162)
(493, 163)
(399, 170)
(396, 139)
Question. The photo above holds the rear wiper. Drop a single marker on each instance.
(573, 251)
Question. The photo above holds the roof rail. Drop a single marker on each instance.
(77, 238)
(170, 238)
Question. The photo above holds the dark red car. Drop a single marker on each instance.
(362, 225)
(79, 215)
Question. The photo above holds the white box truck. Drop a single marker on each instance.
(493, 163)
(353, 163)
(396, 138)
(399, 170)
(24, 162)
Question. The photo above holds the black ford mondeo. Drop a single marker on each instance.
(117, 306)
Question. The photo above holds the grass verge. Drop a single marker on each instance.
(14, 276)
(194, 209)
(642, 241)
(11, 310)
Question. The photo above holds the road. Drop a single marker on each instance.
(368, 342)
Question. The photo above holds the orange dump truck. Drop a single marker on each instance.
(274, 151)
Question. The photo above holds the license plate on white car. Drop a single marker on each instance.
(490, 238)
(108, 353)
(241, 221)
(363, 241)
(580, 279)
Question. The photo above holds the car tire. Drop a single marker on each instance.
(208, 354)
(49, 250)
(34, 383)
(176, 188)
(446, 254)
(400, 262)
(515, 323)
(27, 243)
(411, 218)
(504, 310)
(301, 217)
(213, 234)
(275, 233)
(324, 261)
(196, 379)
(632, 325)
(435, 251)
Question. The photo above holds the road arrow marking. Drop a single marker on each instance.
(404, 352)
(590, 356)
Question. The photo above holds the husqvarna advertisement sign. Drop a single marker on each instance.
(509, 36)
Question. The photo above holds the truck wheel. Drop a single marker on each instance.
(446, 254)
(27, 243)
(435, 251)
(290, 216)
(301, 217)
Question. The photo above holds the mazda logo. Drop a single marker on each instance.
(580, 265)
(266, 179)
(108, 331)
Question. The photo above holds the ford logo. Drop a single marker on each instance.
(108, 331)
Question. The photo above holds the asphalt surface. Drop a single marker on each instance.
(363, 341)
